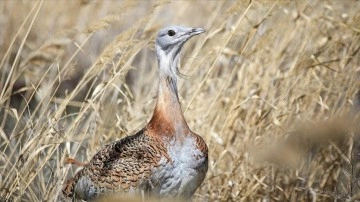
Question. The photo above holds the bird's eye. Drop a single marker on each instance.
(171, 32)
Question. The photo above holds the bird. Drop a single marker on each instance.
(164, 159)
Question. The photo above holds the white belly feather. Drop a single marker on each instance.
(182, 176)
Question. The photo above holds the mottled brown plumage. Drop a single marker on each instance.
(165, 158)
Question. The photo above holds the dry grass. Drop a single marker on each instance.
(269, 87)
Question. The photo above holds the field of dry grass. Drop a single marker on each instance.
(270, 87)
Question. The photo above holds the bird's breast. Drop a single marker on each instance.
(183, 173)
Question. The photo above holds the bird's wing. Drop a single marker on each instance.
(125, 164)
(200, 144)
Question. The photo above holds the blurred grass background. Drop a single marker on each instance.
(270, 87)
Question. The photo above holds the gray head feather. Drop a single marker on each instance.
(169, 43)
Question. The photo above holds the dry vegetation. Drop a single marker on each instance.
(269, 86)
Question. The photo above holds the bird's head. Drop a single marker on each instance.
(172, 38)
(170, 41)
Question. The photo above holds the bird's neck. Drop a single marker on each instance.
(168, 119)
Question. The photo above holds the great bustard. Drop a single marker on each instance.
(165, 158)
